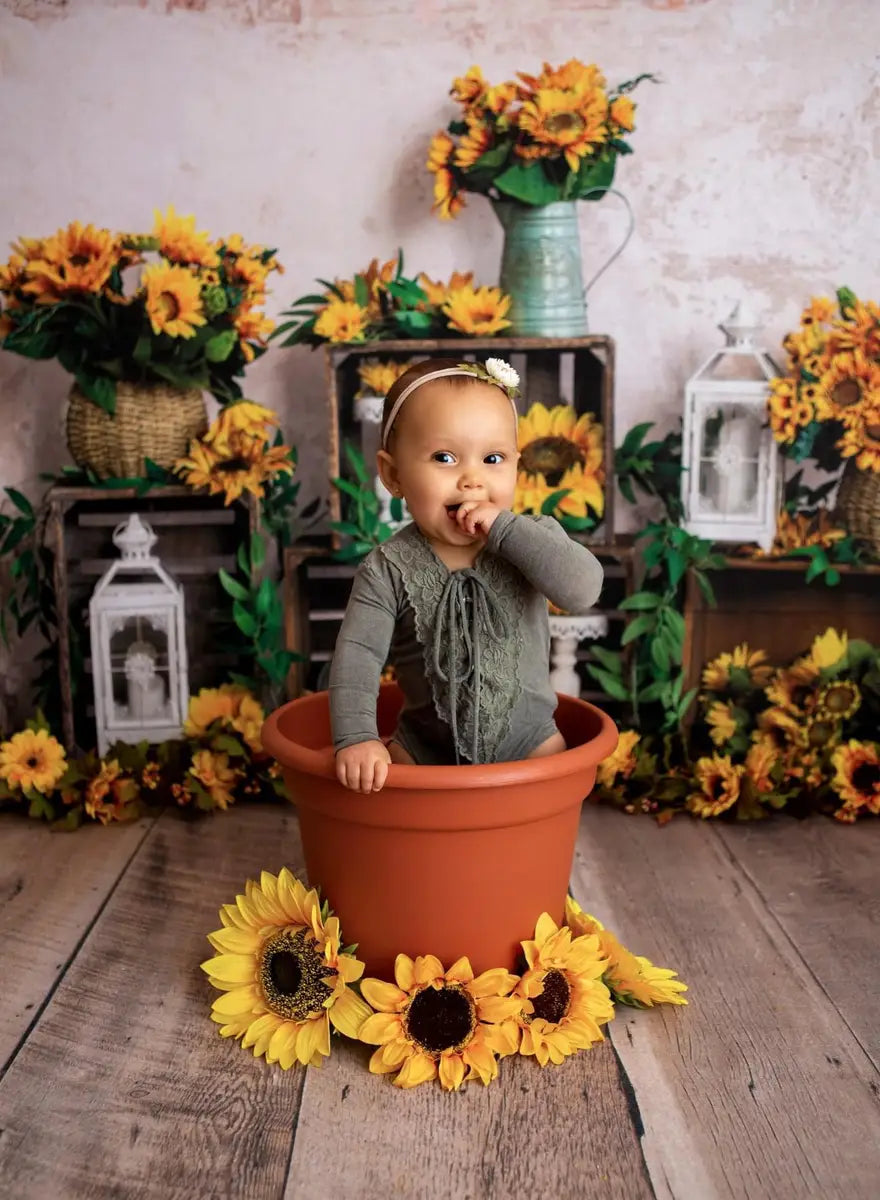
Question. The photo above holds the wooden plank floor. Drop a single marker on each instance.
(114, 1083)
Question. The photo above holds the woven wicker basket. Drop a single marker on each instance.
(858, 504)
(152, 420)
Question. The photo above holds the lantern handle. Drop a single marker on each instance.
(610, 191)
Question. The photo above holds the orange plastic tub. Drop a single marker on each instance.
(447, 860)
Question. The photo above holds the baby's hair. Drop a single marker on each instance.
(416, 371)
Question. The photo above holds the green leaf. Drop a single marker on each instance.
(266, 598)
(528, 183)
(244, 619)
(236, 590)
(610, 684)
(361, 291)
(641, 625)
(641, 600)
(219, 348)
(100, 390)
(612, 660)
(676, 565)
(594, 178)
(20, 501)
(257, 553)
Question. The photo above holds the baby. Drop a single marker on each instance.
(456, 600)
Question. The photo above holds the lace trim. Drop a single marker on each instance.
(424, 578)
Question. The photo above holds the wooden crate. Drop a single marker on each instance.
(768, 604)
(577, 371)
(197, 535)
(316, 591)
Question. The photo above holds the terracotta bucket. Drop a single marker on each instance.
(445, 860)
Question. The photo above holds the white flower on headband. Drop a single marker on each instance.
(503, 372)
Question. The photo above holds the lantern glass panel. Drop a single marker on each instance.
(730, 458)
(139, 668)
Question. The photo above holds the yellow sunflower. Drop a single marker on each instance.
(571, 122)
(761, 760)
(721, 721)
(476, 311)
(850, 381)
(827, 650)
(173, 300)
(32, 759)
(436, 291)
(719, 783)
(553, 439)
(792, 688)
(820, 731)
(622, 760)
(861, 438)
(284, 979)
(79, 258)
(240, 463)
(252, 326)
(111, 795)
(743, 668)
(433, 1024)
(448, 199)
(622, 113)
(468, 88)
(378, 375)
(440, 151)
(859, 332)
(475, 142)
(777, 726)
(857, 775)
(564, 1001)
(243, 417)
(179, 240)
(585, 494)
(342, 321)
(212, 704)
(573, 75)
(631, 979)
(216, 776)
(782, 409)
(840, 699)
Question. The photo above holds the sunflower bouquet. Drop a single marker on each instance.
(561, 469)
(382, 303)
(172, 306)
(242, 451)
(219, 760)
(536, 139)
(827, 405)
(801, 738)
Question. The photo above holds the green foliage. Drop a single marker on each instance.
(646, 672)
(653, 468)
(361, 526)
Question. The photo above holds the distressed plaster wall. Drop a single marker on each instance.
(303, 124)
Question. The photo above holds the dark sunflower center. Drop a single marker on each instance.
(33, 761)
(552, 1004)
(820, 733)
(846, 392)
(873, 432)
(232, 465)
(292, 974)
(564, 122)
(716, 788)
(866, 777)
(551, 457)
(839, 699)
(168, 306)
(79, 260)
(440, 1018)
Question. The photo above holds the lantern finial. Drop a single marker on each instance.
(135, 539)
(740, 328)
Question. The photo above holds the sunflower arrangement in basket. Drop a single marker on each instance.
(171, 306)
(380, 302)
(536, 139)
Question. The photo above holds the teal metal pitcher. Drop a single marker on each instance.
(541, 266)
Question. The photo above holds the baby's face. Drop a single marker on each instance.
(454, 444)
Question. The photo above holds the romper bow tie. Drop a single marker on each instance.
(466, 609)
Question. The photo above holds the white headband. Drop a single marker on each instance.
(444, 373)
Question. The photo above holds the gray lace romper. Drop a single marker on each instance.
(470, 647)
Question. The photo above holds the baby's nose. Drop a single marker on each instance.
(471, 478)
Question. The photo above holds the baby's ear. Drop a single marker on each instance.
(388, 472)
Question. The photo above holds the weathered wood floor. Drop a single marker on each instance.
(114, 1083)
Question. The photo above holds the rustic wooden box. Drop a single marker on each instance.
(769, 604)
(316, 591)
(579, 371)
(197, 536)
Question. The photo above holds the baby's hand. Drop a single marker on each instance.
(477, 517)
(364, 766)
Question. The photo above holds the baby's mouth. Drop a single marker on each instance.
(452, 509)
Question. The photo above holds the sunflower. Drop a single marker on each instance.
(475, 142)
(795, 530)
(210, 705)
(252, 326)
(285, 980)
(551, 440)
(742, 669)
(821, 731)
(630, 978)
(476, 311)
(761, 760)
(468, 88)
(216, 776)
(859, 332)
(242, 416)
(32, 759)
(179, 242)
(850, 381)
(239, 463)
(573, 75)
(570, 122)
(564, 1001)
(777, 726)
(792, 688)
(437, 292)
(76, 259)
(111, 795)
(721, 721)
(719, 781)
(621, 112)
(781, 406)
(433, 1024)
(839, 700)
(827, 650)
(248, 721)
(857, 775)
(448, 201)
(378, 375)
(861, 439)
(342, 321)
(621, 762)
(173, 300)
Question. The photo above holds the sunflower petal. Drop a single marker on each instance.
(233, 1004)
(383, 996)
(427, 969)
(378, 1064)
(349, 967)
(451, 1072)
(496, 1009)
(404, 973)
(349, 1013)
(235, 941)
(311, 1036)
(231, 968)
(379, 1028)
(266, 1024)
(419, 1068)
(495, 982)
(460, 971)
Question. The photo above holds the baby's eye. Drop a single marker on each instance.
(443, 456)
(494, 457)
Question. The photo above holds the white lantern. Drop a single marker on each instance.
(138, 644)
(731, 486)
